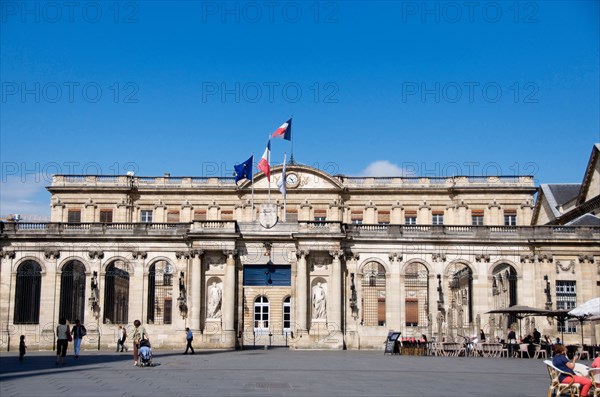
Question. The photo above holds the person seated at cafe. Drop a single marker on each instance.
(528, 339)
(536, 336)
(596, 362)
(561, 361)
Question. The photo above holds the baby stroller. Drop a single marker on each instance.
(145, 354)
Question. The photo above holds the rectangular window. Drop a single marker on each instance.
(437, 218)
(74, 216)
(566, 299)
(267, 276)
(477, 217)
(227, 215)
(200, 215)
(146, 216)
(291, 215)
(173, 217)
(106, 216)
(383, 217)
(320, 215)
(510, 218)
(410, 218)
(411, 310)
(356, 217)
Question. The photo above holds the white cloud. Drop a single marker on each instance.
(25, 196)
(384, 168)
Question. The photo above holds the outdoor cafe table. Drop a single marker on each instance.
(452, 348)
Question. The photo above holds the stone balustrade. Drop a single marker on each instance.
(314, 227)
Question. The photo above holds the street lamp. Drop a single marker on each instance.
(548, 294)
(181, 300)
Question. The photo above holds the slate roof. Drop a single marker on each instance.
(585, 220)
(564, 192)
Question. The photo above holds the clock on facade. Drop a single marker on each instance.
(292, 180)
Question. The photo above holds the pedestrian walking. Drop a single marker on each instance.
(189, 336)
(63, 336)
(22, 347)
(78, 333)
(122, 336)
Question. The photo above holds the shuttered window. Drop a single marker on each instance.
(410, 217)
(106, 216)
(291, 215)
(411, 308)
(356, 217)
(383, 217)
(74, 216)
(172, 216)
(477, 217)
(320, 215)
(200, 215)
(227, 215)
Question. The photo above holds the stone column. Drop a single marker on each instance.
(229, 292)
(305, 211)
(462, 216)
(424, 215)
(196, 278)
(213, 212)
(494, 214)
(186, 213)
(301, 290)
(396, 215)
(160, 213)
(524, 218)
(89, 212)
(393, 293)
(57, 211)
(335, 309)
(370, 214)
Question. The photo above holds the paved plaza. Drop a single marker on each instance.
(275, 372)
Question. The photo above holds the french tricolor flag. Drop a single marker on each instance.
(263, 164)
(284, 131)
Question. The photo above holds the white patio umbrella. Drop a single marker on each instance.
(586, 311)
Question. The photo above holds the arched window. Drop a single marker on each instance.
(373, 290)
(28, 293)
(72, 292)
(160, 293)
(416, 301)
(116, 293)
(261, 314)
(461, 293)
(505, 293)
(287, 315)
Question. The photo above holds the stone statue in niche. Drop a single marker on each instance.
(319, 302)
(215, 295)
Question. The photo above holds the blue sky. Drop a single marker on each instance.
(375, 88)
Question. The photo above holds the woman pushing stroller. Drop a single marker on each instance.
(139, 333)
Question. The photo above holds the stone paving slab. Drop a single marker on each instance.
(275, 372)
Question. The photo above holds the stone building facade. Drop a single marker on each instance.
(354, 258)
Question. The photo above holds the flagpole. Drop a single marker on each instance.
(269, 163)
(285, 190)
(252, 175)
(292, 143)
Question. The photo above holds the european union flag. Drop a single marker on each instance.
(244, 170)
